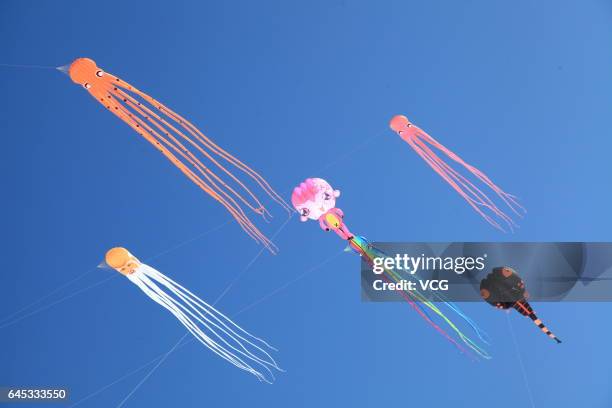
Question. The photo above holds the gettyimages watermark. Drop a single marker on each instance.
(553, 271)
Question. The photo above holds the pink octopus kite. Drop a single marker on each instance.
(422, 143)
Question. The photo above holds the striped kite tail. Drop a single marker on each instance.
(523, 307)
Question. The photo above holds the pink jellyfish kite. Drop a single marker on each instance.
(422, 143)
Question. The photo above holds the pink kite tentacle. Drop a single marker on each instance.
(509, 199)
(478, 198)
(445, 175)
(469, 186)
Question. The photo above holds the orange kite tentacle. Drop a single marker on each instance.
(207, 142)
(119, 110)
(117, 96)
(230, 204)
(178, 148)
(151, 116)
(155, 138)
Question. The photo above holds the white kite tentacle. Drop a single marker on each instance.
(155, 292)
(163, 299)
(223, 319)
(210, 313)
(234, 337)
(145, 278)
(162, 278)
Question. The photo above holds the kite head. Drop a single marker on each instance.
(122, 260)
(399, 123)
(502, 288)
(85, 72)
(313, 198)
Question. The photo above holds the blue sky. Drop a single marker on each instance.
(299, 89)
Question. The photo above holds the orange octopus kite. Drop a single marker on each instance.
(173, 135)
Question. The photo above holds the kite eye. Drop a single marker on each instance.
(327, 196)
(87, 85)
(100, 73)
(305, 212)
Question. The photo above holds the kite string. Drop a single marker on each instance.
(289, 283)
(250, 264)
(49, 305)
(28, 66)
(46, 296)
(520, 360)
(150, 373)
